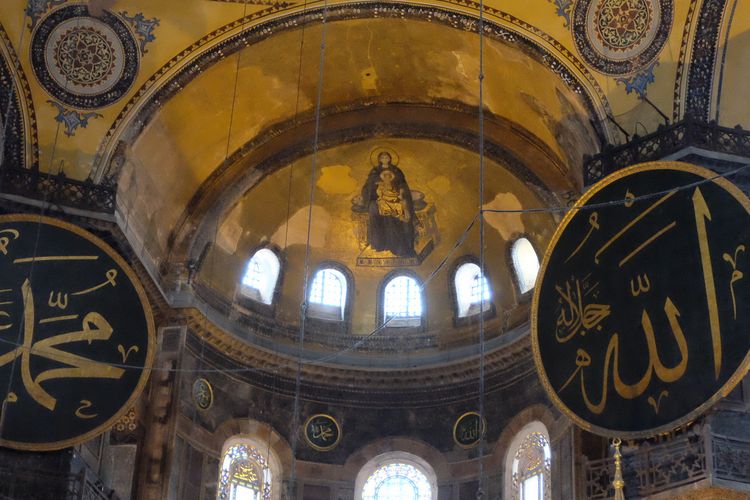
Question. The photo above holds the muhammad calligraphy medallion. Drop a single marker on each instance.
(76, 334)
(642, 308)
(322, 432)
(203, 394)
(469, 429)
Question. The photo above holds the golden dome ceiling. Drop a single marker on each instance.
(201, 114)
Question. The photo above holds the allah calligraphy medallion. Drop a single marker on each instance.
(469, 429)
(619, 37)
(76, 334)
(641, 315)
(322, 432)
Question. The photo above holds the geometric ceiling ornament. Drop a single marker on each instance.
(84, 61)
(619, 37)
(641, 311)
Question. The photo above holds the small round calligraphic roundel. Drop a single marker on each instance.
(642, 307)
(322, 432)
(76, 334)
(203, 394)
(469, 429)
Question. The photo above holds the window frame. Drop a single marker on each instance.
(489, 312)
(249, 302)
(514, 489)
(380, 315)
(395, 457)
(521, 297)
(325, 323)
(273, 464)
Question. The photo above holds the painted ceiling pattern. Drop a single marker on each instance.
(95, 64)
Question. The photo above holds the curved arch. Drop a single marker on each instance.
(20, 125)
(264, 465)
(410, 446)
(423, 478)
(228, 39)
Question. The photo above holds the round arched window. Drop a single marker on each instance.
(261, 276)
(472, 290)
(525, 264)
(397, 481)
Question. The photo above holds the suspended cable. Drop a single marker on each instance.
(294, 432)
(482, 273)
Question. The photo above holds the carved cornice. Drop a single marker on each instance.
(369, 387)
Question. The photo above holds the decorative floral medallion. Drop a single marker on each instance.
(84, 61)
(619, 37)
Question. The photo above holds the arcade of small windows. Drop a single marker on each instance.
(402, 299)
(244, 475)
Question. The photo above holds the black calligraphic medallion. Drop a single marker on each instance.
(76, 334)
(322, 432)
(469, 429)
(641, 314)
(203, 394)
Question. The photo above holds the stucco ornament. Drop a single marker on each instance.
(619, 37)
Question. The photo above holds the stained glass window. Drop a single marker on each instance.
(328, 294)
(402, 303)
(531, 468)
(261, 275)
(397, 481)
(244, 475)
(525, 264)
(471, 289)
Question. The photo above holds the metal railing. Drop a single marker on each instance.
(655, 468)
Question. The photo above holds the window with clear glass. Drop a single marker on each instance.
(244, 475)
(397, 481)
(525, 264)
(261, 275)
(402, 302)
(472, 290)
(531, 468)
(328, 294)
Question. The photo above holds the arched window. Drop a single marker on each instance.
(396, 476)
(328, 294)
(402, 302)
(530, 466)
(525, 264)
(245, 474)
(261, 275)
(472, 290)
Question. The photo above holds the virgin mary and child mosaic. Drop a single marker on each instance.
(394, 224)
